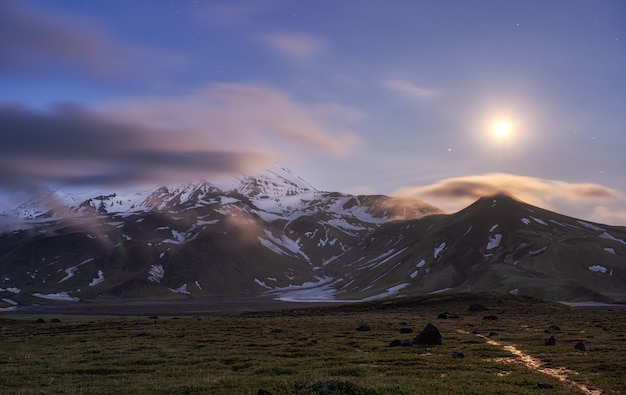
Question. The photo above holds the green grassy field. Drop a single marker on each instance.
(319, 351)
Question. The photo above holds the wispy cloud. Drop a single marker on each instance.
(35, 40)
(221, 129)
(248, 115)
(294, 46)
(409, 89)
(583, 200)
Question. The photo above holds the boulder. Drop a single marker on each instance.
(430, 335)
(551, 341)
(580, 346)
(406, 330)
(364, 328)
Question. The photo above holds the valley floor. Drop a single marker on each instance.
(319, 350)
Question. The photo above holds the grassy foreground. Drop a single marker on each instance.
(319, 350)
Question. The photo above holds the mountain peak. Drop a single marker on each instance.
(274, 181)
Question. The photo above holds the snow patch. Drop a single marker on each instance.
(63, 296)
(598, 269)
(156, 273)
(539, 221)
(13, 290)
(494, 241)
(526, 221)
(314, 291)
(420, 263)
(9, 301)
(607, 235)
(494, 228)
(180, 290)
(178, 238)
(610, 250)
(98, 279)
(390, 291)
(539, 251)
(261, 283)
(439, 291)
(514, 291)
(414, 274)
(590, 226)
(439, 249)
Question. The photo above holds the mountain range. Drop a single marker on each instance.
(275, 235)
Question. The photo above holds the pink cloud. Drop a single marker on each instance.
(582, 200)
(240, 116)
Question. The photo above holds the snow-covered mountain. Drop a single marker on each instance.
(276, 235)
(263, 233)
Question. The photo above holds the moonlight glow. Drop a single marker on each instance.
(502, 130)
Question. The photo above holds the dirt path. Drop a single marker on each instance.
(561, 373)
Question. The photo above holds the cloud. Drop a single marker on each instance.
(247, 115)
(33, 40)
(409, 89)
(221, 129)
(582, 200)
(73, 146)
(294, 46)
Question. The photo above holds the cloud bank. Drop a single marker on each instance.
(220, 129)
(583, 200)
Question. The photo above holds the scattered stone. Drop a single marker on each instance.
(458, 354)
(442, 316)
(275, 331)
(453, 316)
(430, 335)
(406, 330)
(407, 344)
(490, 317)
(403, 323)
(141, 334)
(491, 334)
(55, 320)
(153, 317)
(476, 307)
(544, 386)
(551, 341)
(364, 328)
(39, 321)
(580, 346)
(261, 391)
(554, 328)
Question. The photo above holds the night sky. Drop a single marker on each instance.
(443, 100)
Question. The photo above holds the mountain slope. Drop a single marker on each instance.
(498, 244)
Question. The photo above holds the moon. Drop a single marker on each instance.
(501, 130)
